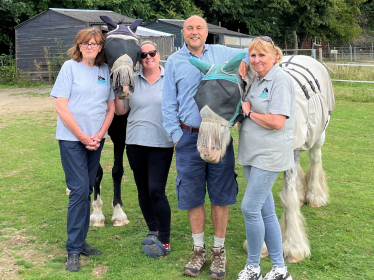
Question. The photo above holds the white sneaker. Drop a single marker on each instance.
(249, 273)
(275, 275)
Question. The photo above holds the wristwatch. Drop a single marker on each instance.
(249, 114)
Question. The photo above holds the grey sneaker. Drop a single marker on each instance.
(218, 265)
(274, 275)
(156, 250)
(73, 263)
(198, 260)
(152, 237)
(249, 273)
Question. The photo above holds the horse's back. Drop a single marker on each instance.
(314, 107)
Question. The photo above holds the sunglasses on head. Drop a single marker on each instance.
(265, 39)
(143, 55)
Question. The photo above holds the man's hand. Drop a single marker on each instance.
(175, 144)
(246, 107)
(243, 69)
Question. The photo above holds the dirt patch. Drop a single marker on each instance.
(20, 247)
(16, 101)
(99, 270)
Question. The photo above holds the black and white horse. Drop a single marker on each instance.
(122, 51)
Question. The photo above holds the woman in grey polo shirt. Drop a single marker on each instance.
(149, 150)
(85, 107)
(265, 148)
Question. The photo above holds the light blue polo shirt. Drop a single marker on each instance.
(269, 149)
(88, 90)
(144, 124)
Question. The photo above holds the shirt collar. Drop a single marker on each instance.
(270, 75)
(141, 74)
(187, 51)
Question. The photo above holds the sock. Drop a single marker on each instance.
(166, 246)
(198, 239)
(219, 242)
(281, 270)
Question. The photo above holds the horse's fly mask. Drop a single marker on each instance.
(122, 51)
(219, 101)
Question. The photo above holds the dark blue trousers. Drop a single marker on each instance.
(80, 166)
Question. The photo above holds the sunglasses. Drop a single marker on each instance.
(143, 55)
(265, 39)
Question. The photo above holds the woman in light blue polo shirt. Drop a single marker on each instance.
(85, 107)
(265, 148)
(149, 150)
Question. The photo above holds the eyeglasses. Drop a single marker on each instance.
(265, 39)
(143, 55)
(93, 45)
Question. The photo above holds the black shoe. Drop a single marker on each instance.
(73, 263)
(87, 250)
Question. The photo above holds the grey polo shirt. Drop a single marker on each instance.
(144, 124)
(269, 149)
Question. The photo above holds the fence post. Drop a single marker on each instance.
(320, 54)
(314, 53)
(354, 53)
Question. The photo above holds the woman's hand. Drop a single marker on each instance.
(246, 107)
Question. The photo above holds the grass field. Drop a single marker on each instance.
(33, 207)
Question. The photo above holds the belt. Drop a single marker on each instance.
(186, 127)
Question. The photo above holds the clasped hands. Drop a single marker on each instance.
(92, 143)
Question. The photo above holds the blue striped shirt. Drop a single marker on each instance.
(180, 85)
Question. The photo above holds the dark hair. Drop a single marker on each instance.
(84, 36)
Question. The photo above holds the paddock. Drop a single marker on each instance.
(33, 204)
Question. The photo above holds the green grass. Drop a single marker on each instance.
(356, 92)
(33, 197)
(359, 73)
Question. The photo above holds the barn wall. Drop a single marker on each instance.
(40, 32)
(164, 27)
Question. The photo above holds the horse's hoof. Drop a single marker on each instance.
(291, 259)
(97, 223)
(264, 254)
(119, 223)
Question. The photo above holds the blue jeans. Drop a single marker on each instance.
(80, 166)
(261, 222)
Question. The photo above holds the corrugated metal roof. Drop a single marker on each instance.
(213, 29)
(93, 16)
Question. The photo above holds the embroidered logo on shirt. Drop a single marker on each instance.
(101, 80)
(264, 93)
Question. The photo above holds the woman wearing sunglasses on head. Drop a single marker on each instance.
(85, 107)
(265, 148)
(149, 149)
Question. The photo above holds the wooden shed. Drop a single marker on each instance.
(217, 34)
(50, 33)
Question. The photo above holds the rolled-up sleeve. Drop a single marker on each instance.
(170, 104)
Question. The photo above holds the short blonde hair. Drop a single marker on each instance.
(268, 47)
(84, 36)
(148, 42)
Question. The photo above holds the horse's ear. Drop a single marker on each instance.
(232, 66)
(135, 24)
(109, 22)
(201, 65)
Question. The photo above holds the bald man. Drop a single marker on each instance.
(181, 119)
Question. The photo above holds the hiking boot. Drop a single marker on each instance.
(152, 237)
(87, 250)
(249, 273)
(73, 263)
(218, 265)
(198, 260)
(156, 250)
(275, 275)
